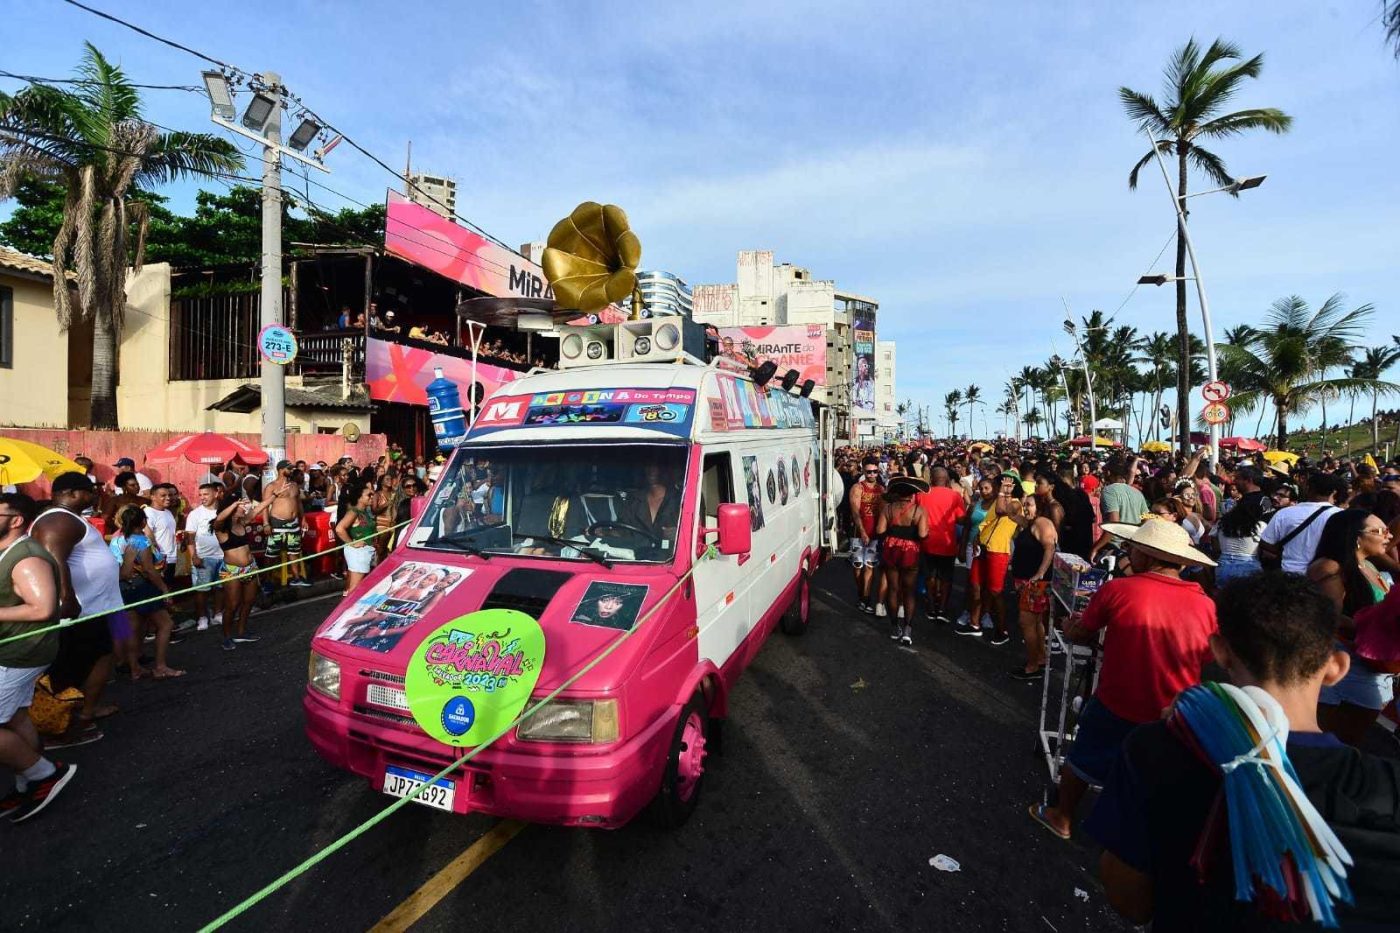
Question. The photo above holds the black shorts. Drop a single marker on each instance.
(79, 648)
(938, 566)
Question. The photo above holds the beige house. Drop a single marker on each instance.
(34, 350)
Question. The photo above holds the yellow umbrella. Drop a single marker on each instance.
(1157, 447)
(1274, 456)
(22, 462)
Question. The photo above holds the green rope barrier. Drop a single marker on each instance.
(267, 890)
(65, 623)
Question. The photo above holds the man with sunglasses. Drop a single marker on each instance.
(865, 498)
(28, 603)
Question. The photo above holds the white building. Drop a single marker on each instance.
(435, 192)
(887, 420)
(663, 294)
(767, 294)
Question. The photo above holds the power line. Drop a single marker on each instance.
(150, 35)
(307, 110)
(33, 79)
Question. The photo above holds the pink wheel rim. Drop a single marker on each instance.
(690, 765)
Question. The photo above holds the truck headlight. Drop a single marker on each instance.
(323, 675)
(592, 721)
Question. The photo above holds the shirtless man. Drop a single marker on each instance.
(284, 523)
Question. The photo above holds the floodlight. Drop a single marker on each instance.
(304, 134)
(259, 111)
(220, 94)
(1253, 181)
(1159, 279)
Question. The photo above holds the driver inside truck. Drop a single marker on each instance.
(655, 506)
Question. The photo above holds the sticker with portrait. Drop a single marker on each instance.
(754, 485)
(610, 605)
(381, 616)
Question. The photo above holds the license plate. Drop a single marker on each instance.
(400, 782)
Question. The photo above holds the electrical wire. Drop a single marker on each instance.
(150, 35)
(33, 79)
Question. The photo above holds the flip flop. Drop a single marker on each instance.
(1037, 812)
(171, 675)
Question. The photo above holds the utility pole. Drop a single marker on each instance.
(273, 377)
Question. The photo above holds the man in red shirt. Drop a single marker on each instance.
(944, 507)
(1157, 630)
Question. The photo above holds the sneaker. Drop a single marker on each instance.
(299, 581)
(907, 638)
(942, 617)
(183, 626)
(337, 575)
(964, 619)
(962, 628)
(245, 639)
(1030, 677)
(895, 632)
(42, 793)
(867, 608)
(987, 620)
(202, 625)
(880, 612)
(81, 735)
(931, 614)
(217, 618)
(228, 644)
(176, 638)
(999, 639)
(900, 613)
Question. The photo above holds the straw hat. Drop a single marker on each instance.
(1281, 467)
(907, 485)
(1160, 538)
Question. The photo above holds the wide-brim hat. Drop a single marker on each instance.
(1280, 467)
(910, 485)
(1161, 538)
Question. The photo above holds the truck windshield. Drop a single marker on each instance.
(602, 502)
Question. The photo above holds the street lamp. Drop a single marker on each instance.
(1242, 184)
(262, 123)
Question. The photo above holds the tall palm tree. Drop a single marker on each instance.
(1372, 366)
(1198, 86)
(93, 142)
(973, 396)
(1390, 18)
(1032, 418)
(1158, 351)
(1012, 400)
(951, 403)
(1279, 363)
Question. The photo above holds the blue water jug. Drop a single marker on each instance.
(445, 409)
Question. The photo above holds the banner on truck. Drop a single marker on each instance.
(863, 393)
(791, 346)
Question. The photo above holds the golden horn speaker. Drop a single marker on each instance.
(591, 257)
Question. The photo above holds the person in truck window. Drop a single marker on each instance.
(656, 506)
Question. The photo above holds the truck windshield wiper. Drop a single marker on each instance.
(591, 553)
(459, 541)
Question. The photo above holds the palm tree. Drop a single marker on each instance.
(1390, 17)
(973, 396)
(1280, 362)
(1032, 418)
(93, 142)
(951, 402)
(1372, 365)
(902, 409)
(1198, 87)
(1012, 400)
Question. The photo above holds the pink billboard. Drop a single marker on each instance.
(396, 373)
(792, 346)
(420, 236)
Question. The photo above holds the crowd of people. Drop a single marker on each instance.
(113, 554)
(1273, 574)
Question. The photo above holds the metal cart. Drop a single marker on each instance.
(1071, 670)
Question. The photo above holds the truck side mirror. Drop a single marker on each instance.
(735, 529)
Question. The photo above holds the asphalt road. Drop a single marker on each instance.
(848, 764)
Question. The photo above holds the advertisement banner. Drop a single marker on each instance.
(396, 373)
(791, 346)
(667, 410)
(863, 396)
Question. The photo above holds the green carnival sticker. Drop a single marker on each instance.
(471, 677)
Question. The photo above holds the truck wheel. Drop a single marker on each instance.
(683, 778)
(799, 612)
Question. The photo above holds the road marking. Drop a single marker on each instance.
(417, 904)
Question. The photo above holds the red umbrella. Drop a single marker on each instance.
(207, 448)
(1243, 444)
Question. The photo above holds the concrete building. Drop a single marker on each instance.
(435, 192)
(766, 294)
(887, 420)
(663, 293)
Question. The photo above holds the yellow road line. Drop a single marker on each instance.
(417, 904)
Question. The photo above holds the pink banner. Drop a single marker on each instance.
(397, 373)
(792, 346)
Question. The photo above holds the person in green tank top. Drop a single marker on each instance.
(28, 603)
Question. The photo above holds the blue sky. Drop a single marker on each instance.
(965, 167)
